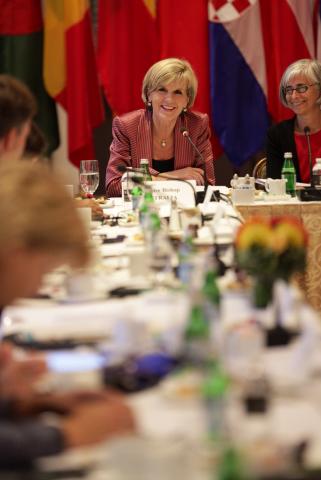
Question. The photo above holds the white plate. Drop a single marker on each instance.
(124, 223)
(107, 204)
(277, 198)
(91, 297)
(203, 241)
(128, 219)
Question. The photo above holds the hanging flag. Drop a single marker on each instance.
(70, 72)
(238, 78)
(186, 36)
(318, 28)
(287, 27)
(127, 47)
(252, 43)
(21, 55)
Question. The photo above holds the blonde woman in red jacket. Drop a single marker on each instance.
(159, 132)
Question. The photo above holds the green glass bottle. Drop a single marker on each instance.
(145, 206)
(144, 167)
(210, 288)
(197, 325)
(214, 392)
(137, 196)
(231, 465)
(289, 173)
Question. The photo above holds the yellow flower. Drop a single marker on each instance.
(289, 232)
(256, 231)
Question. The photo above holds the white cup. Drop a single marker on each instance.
(70, 190)
(242, 195)
(275, 186)
(85, 215)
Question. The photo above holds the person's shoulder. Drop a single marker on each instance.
(282, 127)
(197, 119)
(196, 116)
(130, 118)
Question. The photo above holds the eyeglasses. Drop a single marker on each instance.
(298, 89)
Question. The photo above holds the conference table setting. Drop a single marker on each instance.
(224, 379)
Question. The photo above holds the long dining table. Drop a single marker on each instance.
(172, 421)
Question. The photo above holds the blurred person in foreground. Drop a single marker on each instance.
(159, 132)
(41, 230)
(20, 137)
(300, 91)
(35, 151)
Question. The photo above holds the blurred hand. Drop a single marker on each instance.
(187, 173)
(96, 210)
(94, 421)
(60, 403)
(19, 376)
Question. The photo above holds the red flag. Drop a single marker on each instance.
(183, 28)
(70, 72)
(287, 27)
(127, 47)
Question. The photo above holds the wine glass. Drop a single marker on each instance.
(89, 176)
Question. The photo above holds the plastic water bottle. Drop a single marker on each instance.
(316, 173)
(289, 173)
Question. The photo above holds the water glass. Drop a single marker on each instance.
(89, 176)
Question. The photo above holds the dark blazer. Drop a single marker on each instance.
(132, 141)
(280, 139)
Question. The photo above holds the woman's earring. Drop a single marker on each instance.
(184, 109)
(149, 106)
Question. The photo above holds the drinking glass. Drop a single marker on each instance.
(89, 176)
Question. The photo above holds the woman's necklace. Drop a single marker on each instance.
(163, 143)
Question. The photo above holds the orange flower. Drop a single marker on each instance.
(289, 232)
(256, 231)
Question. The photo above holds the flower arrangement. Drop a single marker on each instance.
(270, 249)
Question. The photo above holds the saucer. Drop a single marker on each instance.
(107, 204)
(90, 297)
(277, 198)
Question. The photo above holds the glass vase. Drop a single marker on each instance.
(262, 291)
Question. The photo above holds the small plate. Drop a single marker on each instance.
(128, 219)
(107, 204)
(91, 297)
(203, 241)
(277, 198)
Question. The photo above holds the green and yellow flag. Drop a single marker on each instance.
(21, 55)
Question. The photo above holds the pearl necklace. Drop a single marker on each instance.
(163, 143)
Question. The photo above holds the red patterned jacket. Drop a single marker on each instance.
(132, 141)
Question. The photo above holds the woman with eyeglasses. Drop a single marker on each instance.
(300, 90)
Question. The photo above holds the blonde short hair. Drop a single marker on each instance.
(311, 69)
(37, 213)
(167, 71)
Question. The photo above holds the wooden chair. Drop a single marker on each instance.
(259, 170)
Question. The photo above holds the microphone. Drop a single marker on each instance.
(200, 195)
(186, 135)
(307, 136)
(140, 180)
(310, 194)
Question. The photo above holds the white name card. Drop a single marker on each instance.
(183, 193)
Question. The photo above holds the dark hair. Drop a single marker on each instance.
(36, 143)
(17, 104)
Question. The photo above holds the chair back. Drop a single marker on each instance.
(259, 170)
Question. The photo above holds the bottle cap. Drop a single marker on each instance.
(144, 161)
(288, 155)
